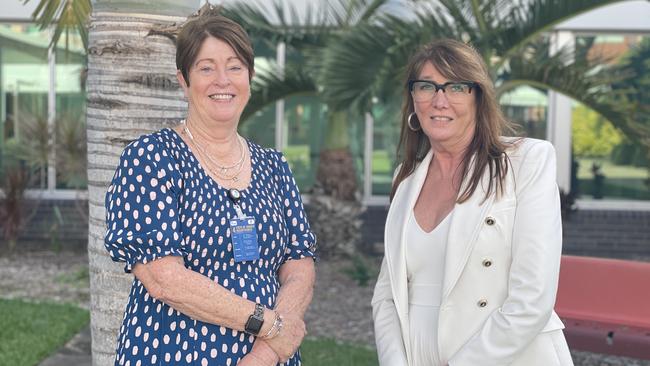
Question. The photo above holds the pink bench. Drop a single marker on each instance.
(605, 305)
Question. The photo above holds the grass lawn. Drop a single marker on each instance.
(621, 181)
(326, 352)
(381, 163)
(297, 153)
(30, 331)
(610, 170)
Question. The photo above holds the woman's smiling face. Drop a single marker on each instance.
(219, 85)
(442, 121)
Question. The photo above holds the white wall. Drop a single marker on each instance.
(14, 10)
(626, 16)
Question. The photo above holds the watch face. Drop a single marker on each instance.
(253, 325)
(255, 320)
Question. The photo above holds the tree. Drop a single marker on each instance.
(66, 16)
(307, 33)
(356, 52)
(593, 136)
(131, 89)
(509, 35)
(635, 92)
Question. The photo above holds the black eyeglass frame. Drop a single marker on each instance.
(442, 87)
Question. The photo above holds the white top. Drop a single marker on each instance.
(425, 265)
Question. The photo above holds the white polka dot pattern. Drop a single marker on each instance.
(161, 202)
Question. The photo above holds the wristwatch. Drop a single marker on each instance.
(255, 321)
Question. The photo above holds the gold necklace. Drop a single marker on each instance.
(223, 168)
(221, 173)
(234, 177)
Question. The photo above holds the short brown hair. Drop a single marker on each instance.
(210, 24)
(460, 62)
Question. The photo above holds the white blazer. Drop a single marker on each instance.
(501, 271)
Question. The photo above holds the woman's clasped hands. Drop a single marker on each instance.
(278, 340)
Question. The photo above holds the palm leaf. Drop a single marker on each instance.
(464, 11)
(280, 21)
(68, 15)
(309, 35)
(571, 75)
(273, 83)
(370, 60)
(522, 23)
(348, 73)
(269, 23)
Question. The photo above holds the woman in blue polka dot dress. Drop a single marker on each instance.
(211, 225)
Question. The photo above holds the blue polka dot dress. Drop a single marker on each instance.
(161, 202)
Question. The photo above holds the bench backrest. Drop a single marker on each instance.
(604, 290)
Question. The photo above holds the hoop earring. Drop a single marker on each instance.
(408, 122)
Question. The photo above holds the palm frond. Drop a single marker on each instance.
(282, 22)
(370, 60)
(357, 11)
(371, 9)
(461, 16)
(350, 65)
(636, 90)
(272, 83)
(523, 22)
(68, 15)
(569, 68)
(479, 13)
(584, 81)
(276, 22)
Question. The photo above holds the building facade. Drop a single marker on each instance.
(42, 98)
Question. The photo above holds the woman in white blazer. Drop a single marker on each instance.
(473, 235)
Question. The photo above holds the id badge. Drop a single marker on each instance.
(244, 239)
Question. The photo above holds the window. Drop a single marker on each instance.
(24, 85)
(607, 164)
(527, 107)
(70, 119)
(26, 138)
(304, 126)
(386, 131)
(260, 127)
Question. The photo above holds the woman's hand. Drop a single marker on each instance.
(260, 355)
(250, 360)
(287, 342)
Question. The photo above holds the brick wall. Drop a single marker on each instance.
(48, 230)
(611, 234)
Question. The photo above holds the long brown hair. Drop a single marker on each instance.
(460, 62)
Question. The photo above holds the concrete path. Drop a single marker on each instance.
(75, 353)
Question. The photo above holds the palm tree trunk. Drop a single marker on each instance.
(333, 208)
(336, 172)
(131, 90)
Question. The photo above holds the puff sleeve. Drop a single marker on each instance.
(142, 205)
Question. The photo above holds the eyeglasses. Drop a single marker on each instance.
(455, 91)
